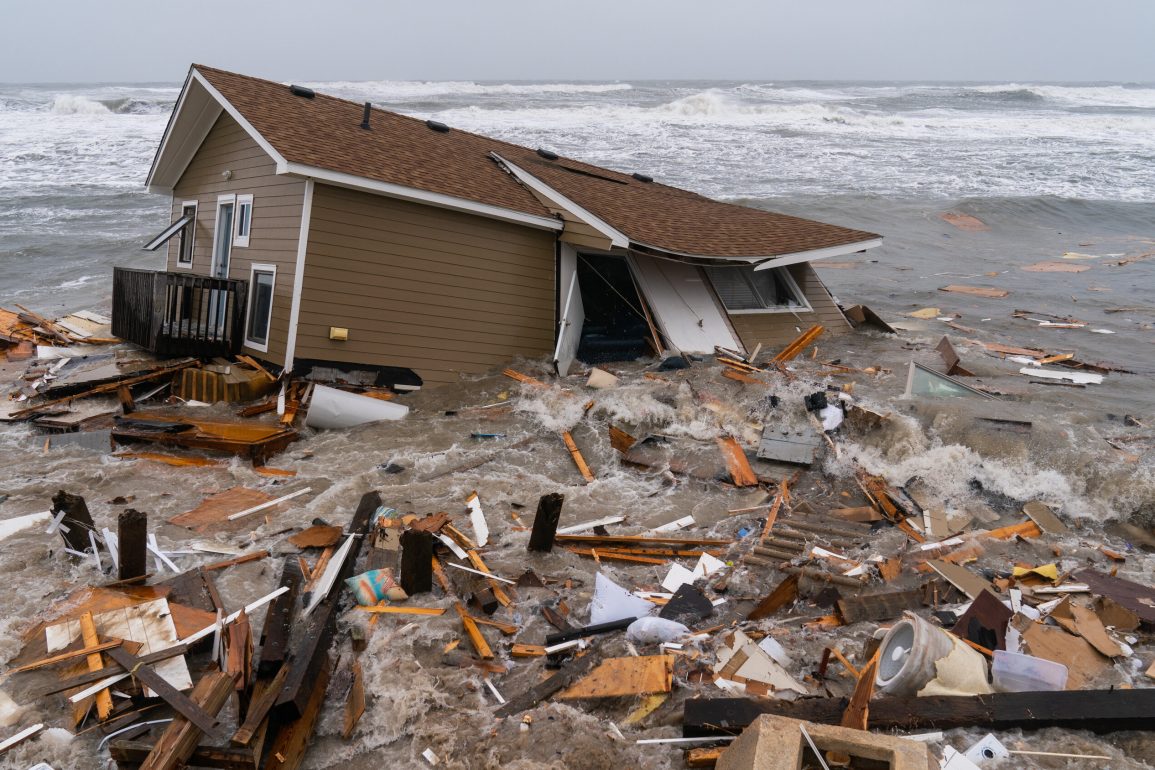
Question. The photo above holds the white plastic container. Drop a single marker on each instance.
(1015, 672)
(332, 409)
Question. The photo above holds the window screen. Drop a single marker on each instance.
(743, 288)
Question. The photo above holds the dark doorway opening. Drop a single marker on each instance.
(615, 327)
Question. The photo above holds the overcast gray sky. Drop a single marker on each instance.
(156, 40)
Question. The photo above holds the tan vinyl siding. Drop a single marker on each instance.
(437, 291)
(774, 330)
(276, 222)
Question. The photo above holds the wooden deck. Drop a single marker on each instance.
(178, 314)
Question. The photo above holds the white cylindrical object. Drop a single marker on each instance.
(908, 654)
(331, 408)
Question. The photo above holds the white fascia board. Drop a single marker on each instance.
(354, 182)
(198, 113)
(617, 237)
(172, 119)
(239, 118)
(814, 254)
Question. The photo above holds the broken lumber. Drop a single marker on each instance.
(309, 650)
(416, 562)
(177, 743)
(187, 707)
(95, 663)
(614, 677)
(75, 520)
(791, 351)
(542, 690)
(1138, 598)
(576, 454)
(1100, 711)
(287, 750)
(278, 626)
(736, 462)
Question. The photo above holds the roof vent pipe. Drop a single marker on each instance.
(437, 126)
(307, 93)
(365, 115)
(642, 178)
(547, 154)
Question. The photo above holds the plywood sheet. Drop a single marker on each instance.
(614, 677)
(149, 623)
(213, 513)
(976, 291)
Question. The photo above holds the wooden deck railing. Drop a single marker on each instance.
(178, 314)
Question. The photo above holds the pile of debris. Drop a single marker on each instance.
(775, 635)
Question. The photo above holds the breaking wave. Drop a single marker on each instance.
(1079, 96)
(71, 104)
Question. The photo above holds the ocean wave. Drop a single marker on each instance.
(74, 104)
(414, 89)
(1079, 96)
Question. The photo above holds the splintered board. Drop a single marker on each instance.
(976, 291)
(614, 677)
(213, 513)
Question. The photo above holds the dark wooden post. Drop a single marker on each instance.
(131, 539)
(76, 518)
(279, 622)
(545, 522)
(416, 561)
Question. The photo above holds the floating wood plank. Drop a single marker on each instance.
(545, 521)
(1026, 529)
(244, 558)
(525, 379)
(1054, 266)
(318, 536)
(615, 677)
(400, 609)
(214, 512)
(1100, 711)
(961, 578)
(791, 351)
(474, 633)
(739, 467)
(976, 291)
(253, 440)
(1042, 515)
(951, 358)
(576, 454)
(620, 440)
(269, 504)
(20, 737)
(783, 594)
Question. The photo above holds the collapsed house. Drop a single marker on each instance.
(309, 230)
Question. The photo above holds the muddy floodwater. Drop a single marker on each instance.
(421, 696)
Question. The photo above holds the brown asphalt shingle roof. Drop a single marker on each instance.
(325, 132)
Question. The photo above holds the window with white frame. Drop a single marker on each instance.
(186, 240)
(244, 220)
(746, 290)
(258, 318)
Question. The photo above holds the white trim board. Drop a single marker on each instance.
(816, 254)
(299, 275)
(354, 182)
(617, 237)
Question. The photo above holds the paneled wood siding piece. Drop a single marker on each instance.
(277, 206)
(437, 291)
(776, 329)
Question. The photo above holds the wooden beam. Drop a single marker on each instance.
(542, 690)
(473, 632)
(1100, 711)
(291, 741)
(95, 663)
(274, 644)
(131, 544)
(177, 743)
(265, 694)
(64, 656)
(545, 521)
(187, 707)
(736, 462)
